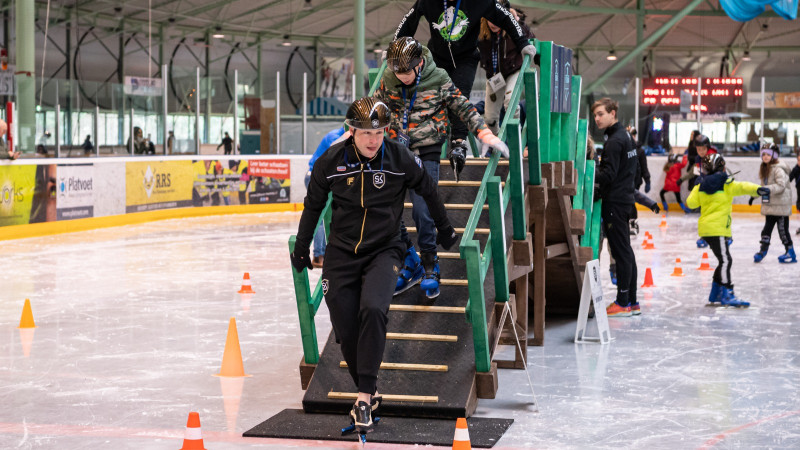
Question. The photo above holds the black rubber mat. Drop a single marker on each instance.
(295, 424)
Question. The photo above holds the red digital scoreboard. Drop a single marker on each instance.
(680, 93)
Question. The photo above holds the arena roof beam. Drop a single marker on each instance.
(644, 44)
(623, 11)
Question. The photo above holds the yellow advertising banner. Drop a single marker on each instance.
(154, 185)
(27, 194)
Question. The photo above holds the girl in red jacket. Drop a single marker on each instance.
(671, 182)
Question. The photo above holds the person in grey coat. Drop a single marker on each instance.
(777, 205)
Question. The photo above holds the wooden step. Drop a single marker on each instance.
(407, 366)
(422, 337)
(476, 162)
(423, 308)
(387, 397)
(467, 206)
(449, 255)
(458, 230)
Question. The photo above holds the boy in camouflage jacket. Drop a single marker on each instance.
(419, 96)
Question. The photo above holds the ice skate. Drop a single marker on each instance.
(789, 257)
(728, 298)
(411, 273)
(715, 297)
(758, 257)
(430, 283)
(701, 243)
(355, 428)
(612, 273)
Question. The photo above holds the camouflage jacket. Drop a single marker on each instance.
(427, 121)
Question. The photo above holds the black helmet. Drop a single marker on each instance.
(713, 163)
(404, 54)
(701, 140)
(367, 113)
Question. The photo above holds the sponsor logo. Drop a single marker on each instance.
(73, 186)
(10, 194)
(325, 287)
(375, 123)
(152, 180)
(379, 179)
(341, 168)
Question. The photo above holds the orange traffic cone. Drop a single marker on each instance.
(646, 241)
(26, 321)
(663, 221)
(232, 365)
(704, 263)
(246, 289)
(649, 245)
(648, 278)
(677, 272)
(193, 439)
(461, 438)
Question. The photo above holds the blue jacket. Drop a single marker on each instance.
(327, 141)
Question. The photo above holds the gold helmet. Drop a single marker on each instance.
(367, 113)
(403, 55)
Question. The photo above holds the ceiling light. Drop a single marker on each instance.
(287, 41)
(307, 5)
(377, 48)
(218, 33)
(611, 56)
(746, 56)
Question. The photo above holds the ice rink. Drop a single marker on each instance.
(132, 322)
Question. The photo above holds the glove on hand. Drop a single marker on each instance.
(762, 191)
(529, 50)
(301, 257)
(457, 157)
(446, 237)
(655, 208)
(489, 140)
(646, 187)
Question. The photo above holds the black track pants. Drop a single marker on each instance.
(783, 231)
(719, 245)
(615, 225)
(664, 199)
(358, 290)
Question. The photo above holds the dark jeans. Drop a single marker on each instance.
(783, 231)
(615, 225)
(719, 245)
(463, 76)
(358, 290)
(426, 228)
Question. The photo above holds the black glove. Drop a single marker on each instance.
(750, 201)
(762, 191)
(301, 257)
(457, 157)
(655, 208)
(647, 187)
(446, 237)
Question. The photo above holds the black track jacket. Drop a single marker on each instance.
(617, 166)
(368, 196)
(465, 35)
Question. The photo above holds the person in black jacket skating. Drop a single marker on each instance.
(368, 177)
(614, 185)
(455, 26)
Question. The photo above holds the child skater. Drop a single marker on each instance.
(795, 176)
(777, 206)
(671, 182)
(713, 194)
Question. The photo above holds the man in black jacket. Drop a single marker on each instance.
(368, 177)
(455, 26)
(614, 182)
(642, 174)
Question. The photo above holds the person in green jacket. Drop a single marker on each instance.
(713, 194)
(419, 95)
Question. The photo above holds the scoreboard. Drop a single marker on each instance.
(680, 93)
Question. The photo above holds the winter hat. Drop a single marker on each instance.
(770, 149)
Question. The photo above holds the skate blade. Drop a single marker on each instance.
(430, 294)
(410, 284)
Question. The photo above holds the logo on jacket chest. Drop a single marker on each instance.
(379, 179)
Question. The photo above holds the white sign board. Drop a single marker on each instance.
(7, 82)
(150, 87)
(592, 291)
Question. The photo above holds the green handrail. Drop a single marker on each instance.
(307, 303)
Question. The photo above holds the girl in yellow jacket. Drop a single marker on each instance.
(713, 194)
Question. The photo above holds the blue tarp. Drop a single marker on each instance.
(744, 10)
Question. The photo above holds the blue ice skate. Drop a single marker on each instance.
(728, 298)
(758, 257)
(430, 282)
(716, 294)
(684, 208)
(789, 257)
(701, 243)
(412, 272)
(612, 272)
